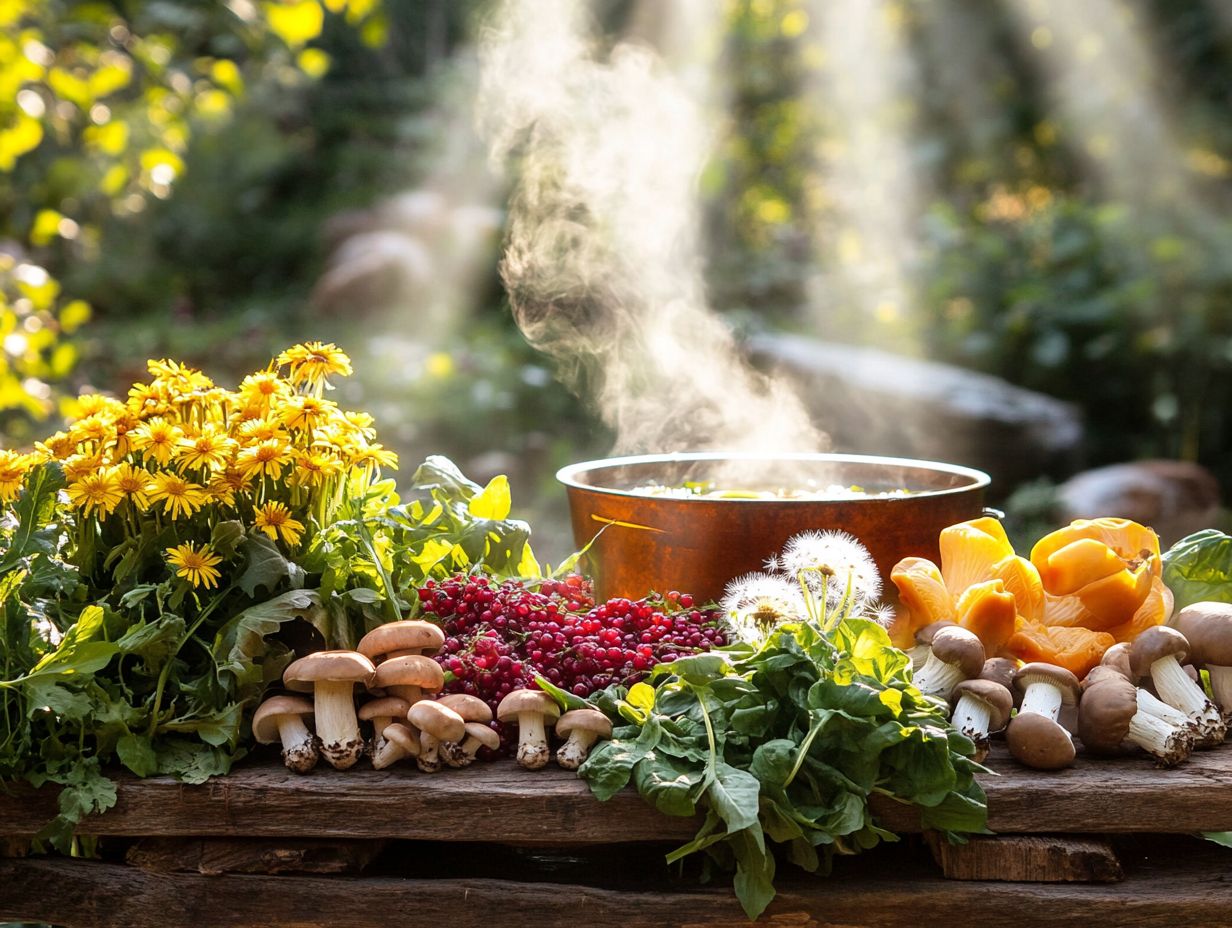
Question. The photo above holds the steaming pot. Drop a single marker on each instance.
(698, 544)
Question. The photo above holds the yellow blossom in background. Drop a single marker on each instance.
(82, 465)
(180, 497)
(275, 520)
(209, 449)
(313, 468)
(373, 456)
(97, 493)
(196, 564)
(262, 429)
(305, 413)
(132, 482)
(264, 460)
(158, 439)
(261, 389)
(56, 447)
(96, 429)
(13, 470)
(311, 363)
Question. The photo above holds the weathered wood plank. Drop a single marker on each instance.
(213, 856)
(1028, 859)
(82, 894)
(500, 802)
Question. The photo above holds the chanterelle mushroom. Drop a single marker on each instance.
(530, 708)
(401, 639)
(382, 712)
(436, 723)
(332, 676)
(409, 677)
(473, 711)
(957, 655)
(399, 741)
(1159, 651)
(980, 708)
(1208, 627)
(1034, 736)
(583, 727)
(281, 718)
(1109, 715)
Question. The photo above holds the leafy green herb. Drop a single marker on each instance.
(1198, 568)
(782, 744)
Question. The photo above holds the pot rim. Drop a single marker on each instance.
(568, 475)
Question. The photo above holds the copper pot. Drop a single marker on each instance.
(697, 545)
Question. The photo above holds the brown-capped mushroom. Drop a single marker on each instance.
(382, 712)
(281, 719)
(957, 655)
(1035, 736)
(980, 708)
(409, 677)
(583, 727)
(436, 723)
(1109, 715)
(530, 709)
(472, 710)
(478, 735)
(398, 741)
(924, 643)
(401, 639)
(1000, 670)
(1208, 628)
(1159, 652)
(332, 677)
(1118, 667)
(1117, 658)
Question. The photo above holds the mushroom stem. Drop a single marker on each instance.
(1042, 698)
(1177, 689)
(412, 694)
(388, 754)
(919, 655)
(429, 759)
(1149, 703)
(299, 750)
(1221, 686)
(1166, 743)
(532, 740)
(337, 726)
(972, 717)
(573, 752)
(937, 678)
(379, 724)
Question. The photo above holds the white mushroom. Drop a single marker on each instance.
(281, 718)
(332, 676)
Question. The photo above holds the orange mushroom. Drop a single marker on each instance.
(923, 592)
(989, 611)
(969, 552)
(1075, 649)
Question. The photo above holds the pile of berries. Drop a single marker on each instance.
(499, 636)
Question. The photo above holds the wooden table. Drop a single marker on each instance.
(494, 845)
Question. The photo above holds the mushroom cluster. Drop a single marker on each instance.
(393, 664)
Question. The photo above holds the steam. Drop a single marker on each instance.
(603, 262)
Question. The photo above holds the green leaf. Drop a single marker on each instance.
(35, 510)
(733, 794)
(754, 881)
(266, 568)
(1198, 568)
(1222, 838)
(609, 766)
(137, 754)
(240, 647)
(566, 700)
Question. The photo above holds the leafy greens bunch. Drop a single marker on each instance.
(783, 738)
(162, 559)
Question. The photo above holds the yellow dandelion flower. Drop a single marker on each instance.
(13, 470)
(57, 447)
(313, 468)
(98, 492)
(125, 425)
(197, 565)
(262, 388)
(312, 362)
(180, 378)
(265, 459)
(373, 455)
(179, 497)
(262, 429)
(208, 449)
(96, 429)
(82, 465)
(304, 413)
(275, 519)
(157, 439)
(148, 399)
(132, 482)
(361, 422)
(95, 404)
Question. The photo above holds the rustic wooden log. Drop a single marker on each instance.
(83, 894)
(213, 856)
(1027, 859)
(552, 808)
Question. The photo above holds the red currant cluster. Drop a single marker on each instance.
(499, 636)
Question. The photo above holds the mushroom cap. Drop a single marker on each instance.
(409, 635)
(1039, 672)
(265, 719)
(1208, 628)
(955, 645)
(1000, 670)
(439, 721)
(1156, 643)
(1117, 657)
(327, 667)
(471, 708)
(1100, 673)
(404, 737)
(387, 707)
(527, 701)
(585, 720)
(998, 699)
(1039, 742)
(924, 634)
(1105, 711)
(411, 670)
(483, 734)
